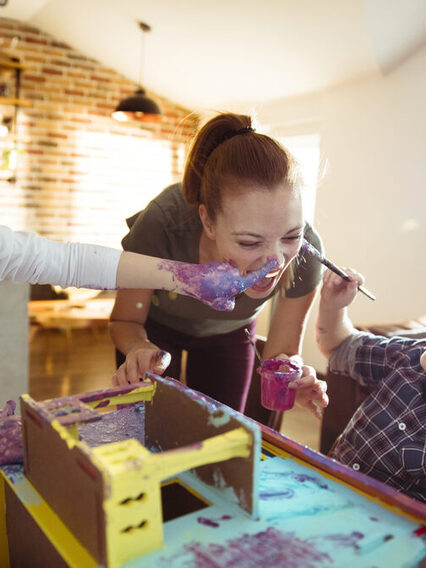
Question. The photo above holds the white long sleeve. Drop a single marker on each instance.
(26, 257)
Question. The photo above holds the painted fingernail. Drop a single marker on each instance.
(161, 359)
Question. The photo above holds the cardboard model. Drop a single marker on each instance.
(98, 459)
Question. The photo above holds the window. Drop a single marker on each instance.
(306, 150)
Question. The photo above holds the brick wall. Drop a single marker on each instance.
(80, 173)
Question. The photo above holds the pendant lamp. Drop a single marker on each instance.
(139, 107)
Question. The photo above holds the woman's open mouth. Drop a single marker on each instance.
(268, 282)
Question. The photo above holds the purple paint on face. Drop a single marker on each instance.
(216, 284)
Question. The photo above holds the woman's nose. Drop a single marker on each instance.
(278, 254)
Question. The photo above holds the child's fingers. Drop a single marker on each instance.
(321, 397)
(355, 276)
(313, 408)
(333, 280)
(308, 379)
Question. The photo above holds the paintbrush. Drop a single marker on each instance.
(253, 343)
(306, 246)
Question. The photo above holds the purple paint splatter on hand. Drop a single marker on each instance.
(215, 283)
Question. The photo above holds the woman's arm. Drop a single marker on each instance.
(288, 325)
(26, 257)
(129, 336)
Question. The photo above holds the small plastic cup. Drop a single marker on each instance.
(275, 375)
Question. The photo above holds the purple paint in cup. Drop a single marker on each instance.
(275, 375)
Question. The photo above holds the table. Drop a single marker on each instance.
(312, 510)
(68, 315)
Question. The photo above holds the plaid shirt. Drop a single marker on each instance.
(386, 436)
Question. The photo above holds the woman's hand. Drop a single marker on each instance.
(311, 393)
(140, 360)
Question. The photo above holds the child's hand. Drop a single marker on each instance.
(311, 392)
(339, 293)
(215, 283)
(221, 282)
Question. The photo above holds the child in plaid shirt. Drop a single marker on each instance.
(386, 436)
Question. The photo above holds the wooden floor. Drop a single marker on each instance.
(60, 366)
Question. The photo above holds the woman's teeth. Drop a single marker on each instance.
(272, 274)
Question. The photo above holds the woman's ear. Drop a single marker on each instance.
(208, 225)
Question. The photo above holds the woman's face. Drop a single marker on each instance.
(254, 227)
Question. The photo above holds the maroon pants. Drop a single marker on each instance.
(219, 366)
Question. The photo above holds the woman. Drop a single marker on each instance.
(239, 202)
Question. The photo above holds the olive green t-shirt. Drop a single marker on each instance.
(171, 228)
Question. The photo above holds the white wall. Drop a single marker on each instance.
(13, 341)
(371, 204)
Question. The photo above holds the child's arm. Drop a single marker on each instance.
(333, 324)
(27, 257)
(214, 283)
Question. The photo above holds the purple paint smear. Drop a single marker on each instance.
(68, 411)
(279, 476)
(214, 523)
(11, 442)
(72, 409)
(214, 283)
(269, 549)
(284, 494)
(14, 472)
(307, 247)
(115, 426)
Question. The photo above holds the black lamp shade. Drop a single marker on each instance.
(138, 107)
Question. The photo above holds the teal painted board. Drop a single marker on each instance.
(306, 520)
